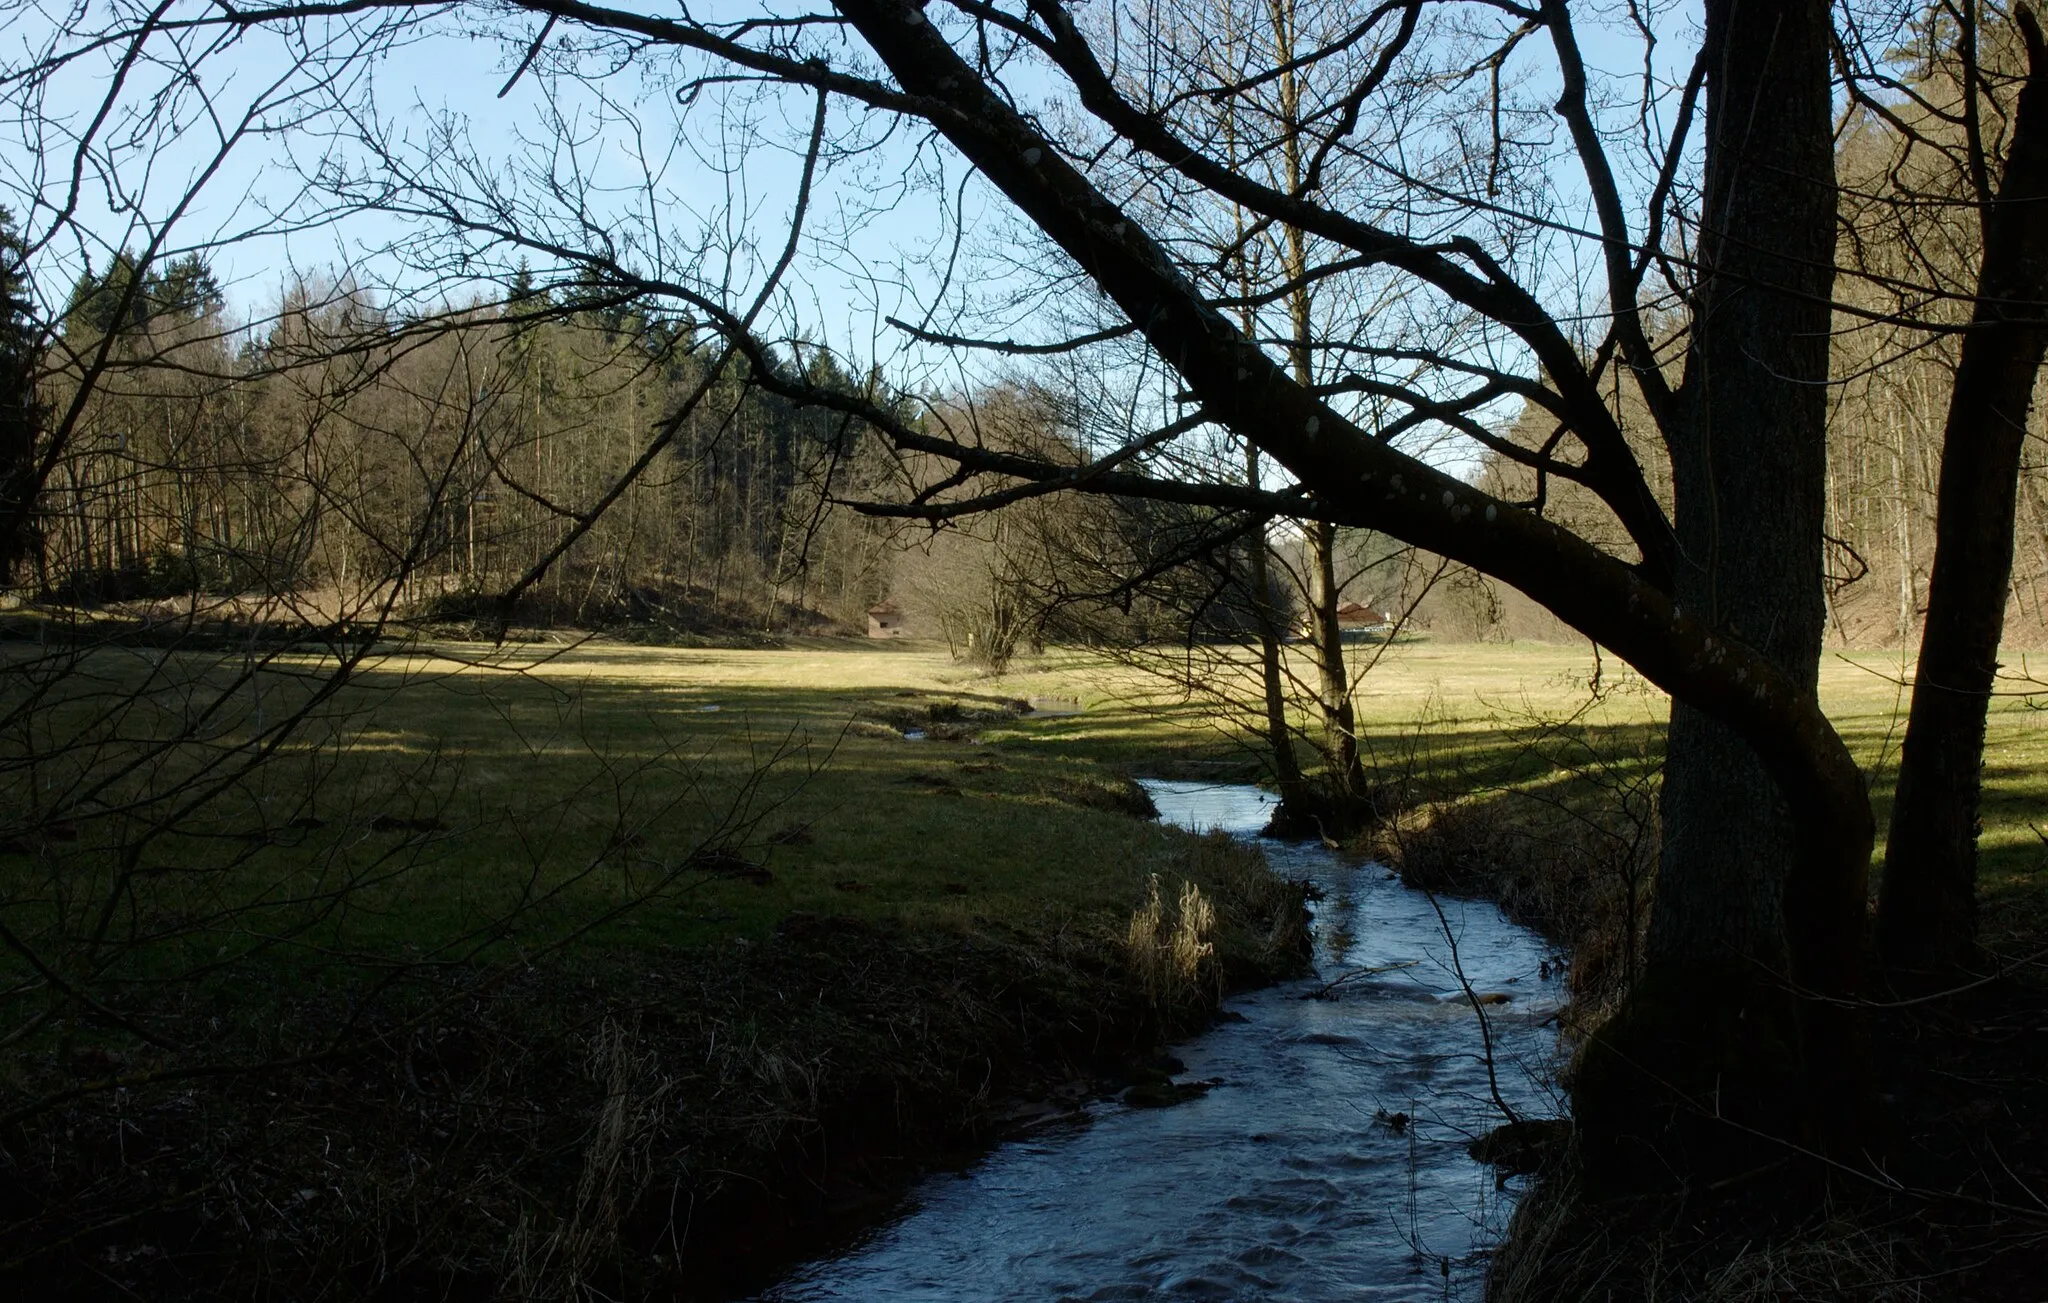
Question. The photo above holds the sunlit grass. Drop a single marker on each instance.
(470, 803)
(477, 797)
(1467, 714)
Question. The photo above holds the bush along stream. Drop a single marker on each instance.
(1318, 1141)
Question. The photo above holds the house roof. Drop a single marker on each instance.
(886, 608)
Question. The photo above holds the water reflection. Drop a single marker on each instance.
(1329, 1165)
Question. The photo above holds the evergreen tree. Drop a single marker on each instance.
(20, 413)
(185, 288)
(99, 304)
(102, 304)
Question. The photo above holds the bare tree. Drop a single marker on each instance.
(1926, 920)
(1102, 172)
(216, 532)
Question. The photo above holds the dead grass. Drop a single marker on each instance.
(1170, 950)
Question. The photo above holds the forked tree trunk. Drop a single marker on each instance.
(1927, 905)
(1712, 1034)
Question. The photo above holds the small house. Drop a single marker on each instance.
(1357, 615)
(886, 621)
(1356, 621)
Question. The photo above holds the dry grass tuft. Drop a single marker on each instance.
(1170, 950)
(569, 1259)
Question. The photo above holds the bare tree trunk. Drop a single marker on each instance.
(1340, 721)
(1927, 906)
(1345, 776)
(1295, 797)
(1279, 738)
(1711, 1035)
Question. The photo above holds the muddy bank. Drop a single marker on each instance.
(681, 1127)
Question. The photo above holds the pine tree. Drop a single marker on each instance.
(20, 412)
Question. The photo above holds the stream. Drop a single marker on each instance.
(1290, 1179)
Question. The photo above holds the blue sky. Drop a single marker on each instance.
(882, 240)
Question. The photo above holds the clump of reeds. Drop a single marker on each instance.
(561, 1261)
(1268, 912)
(1170, 950)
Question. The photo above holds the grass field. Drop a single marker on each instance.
(628, 797)
(606, 745)
(455, 789)
(884, 807)
(834, 899)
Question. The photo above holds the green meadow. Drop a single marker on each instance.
(465, 800)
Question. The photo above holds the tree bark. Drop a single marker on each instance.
(1713, 1035)
(1340, 718)
(1294, 790)
(1927, 903)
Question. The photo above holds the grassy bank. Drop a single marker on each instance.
(1543, 796)
(624, 969)
(1530, 779)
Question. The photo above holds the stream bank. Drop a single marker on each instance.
(1327, 1158)
(677, 1123)
(949, 1043)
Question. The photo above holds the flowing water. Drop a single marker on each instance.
(1289, 1180)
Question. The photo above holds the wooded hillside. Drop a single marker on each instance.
(341, 455)
(597, 463)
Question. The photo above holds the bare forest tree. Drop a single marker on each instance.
(224, 525)
(1927, 906)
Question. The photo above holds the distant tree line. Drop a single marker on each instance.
(333, 451)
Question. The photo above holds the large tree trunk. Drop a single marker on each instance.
(1927, 905)
(1712, 1035)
